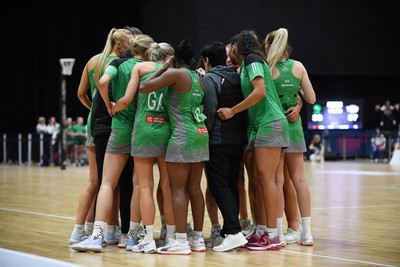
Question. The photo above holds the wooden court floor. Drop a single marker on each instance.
(355, 220)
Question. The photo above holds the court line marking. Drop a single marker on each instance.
(283, 250)
(338, 259)
(358, 207)
(352, 172)
(40, 214)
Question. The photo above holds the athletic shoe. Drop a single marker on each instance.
(197, 245)
(112, 238)
(282, 240)
(272, 243)
(175, 248)
(265, 243)
(130, 242)
(163, 232)
(292, 236)
(169, 241)
(231, 242)
(306, 239)
(123, 238)
(214, 234)
(245, 223)
(77, 237)
(93, 244)
(254, 238)
(249, 230)
(145, 247)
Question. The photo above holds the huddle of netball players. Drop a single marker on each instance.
(242, 106)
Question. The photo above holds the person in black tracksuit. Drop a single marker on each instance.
(227, 138)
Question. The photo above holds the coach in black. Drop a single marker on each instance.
(227, 139)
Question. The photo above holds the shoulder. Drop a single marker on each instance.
(145, 66)
(92, 61)
(253, 58)
(298, 64)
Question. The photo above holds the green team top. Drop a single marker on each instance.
(189, 136)
(93, 88)
(151, 128)
(120, 72)
(269, 108)
(287, 85)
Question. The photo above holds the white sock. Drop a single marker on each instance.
(272, 232)
(279, 226)
(196, 235)
(170, 231)
(306, 224)
(133, 227)
(98, 229)
(149, 232)
(181, 237)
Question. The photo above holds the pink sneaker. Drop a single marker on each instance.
(272, 243)
(266, 243)
(254, 241)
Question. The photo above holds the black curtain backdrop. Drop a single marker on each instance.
(348, 47)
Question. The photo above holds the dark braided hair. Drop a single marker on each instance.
(247, 43)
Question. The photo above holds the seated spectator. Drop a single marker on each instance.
(41, 127)
(378, 142)
(316, 148)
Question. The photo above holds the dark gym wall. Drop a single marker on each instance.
(349, 47)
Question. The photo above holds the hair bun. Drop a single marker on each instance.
(185, 44)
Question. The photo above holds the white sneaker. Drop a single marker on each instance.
(197, 245)
(123, 238)
(77, 237)
(169, 240)
(145, 247)
(292, 236)
(175, 248)
(130, 242)
(306, 239)
(231, 242)
(90, 244)
(282, 240)
(112, 238)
